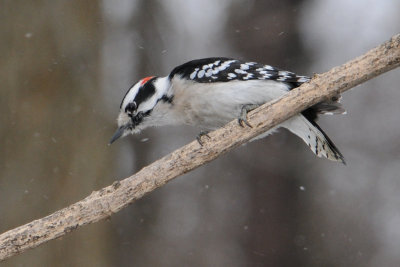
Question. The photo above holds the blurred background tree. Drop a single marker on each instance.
(65, 66)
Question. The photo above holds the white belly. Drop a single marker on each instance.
(211, 105)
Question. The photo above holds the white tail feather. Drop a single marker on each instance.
(314, 137)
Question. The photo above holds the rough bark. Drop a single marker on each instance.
(109, 200)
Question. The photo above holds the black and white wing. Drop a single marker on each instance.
(219, 69)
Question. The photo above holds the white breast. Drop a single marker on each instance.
(211, 105)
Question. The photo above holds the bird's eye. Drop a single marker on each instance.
(130, 108)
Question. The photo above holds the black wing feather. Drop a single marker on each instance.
(221, 69)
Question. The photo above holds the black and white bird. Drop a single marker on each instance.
(210, 92)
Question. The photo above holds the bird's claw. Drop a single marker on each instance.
(243, 114)
(201, 134)
(244, 121)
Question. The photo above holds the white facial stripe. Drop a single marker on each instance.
(130, 96)
(162, 86)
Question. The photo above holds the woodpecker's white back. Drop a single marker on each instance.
(208, 93)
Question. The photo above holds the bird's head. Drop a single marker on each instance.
(138, 105)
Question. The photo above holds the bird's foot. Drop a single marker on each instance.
(243, 114)
(200, 135)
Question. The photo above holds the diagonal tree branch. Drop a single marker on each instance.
(109, 200)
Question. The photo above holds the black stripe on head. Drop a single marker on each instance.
(146, 91)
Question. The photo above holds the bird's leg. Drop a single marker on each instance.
(200, 135)
(243, 114)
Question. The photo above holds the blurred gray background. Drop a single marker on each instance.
(64, 68)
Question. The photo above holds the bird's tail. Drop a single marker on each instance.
(314, 137)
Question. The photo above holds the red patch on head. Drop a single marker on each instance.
(145, 80)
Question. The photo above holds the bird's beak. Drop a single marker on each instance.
(118, 133)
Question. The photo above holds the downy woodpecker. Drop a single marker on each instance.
(210, 92)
